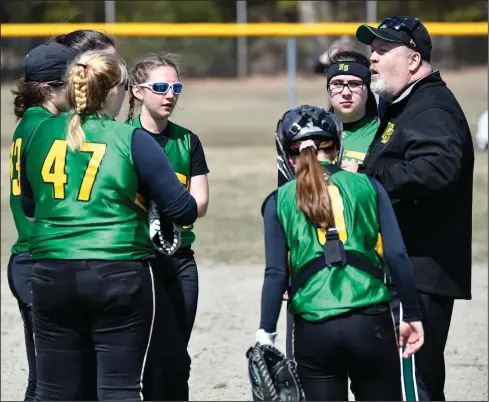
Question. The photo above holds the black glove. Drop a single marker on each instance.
(273, 377)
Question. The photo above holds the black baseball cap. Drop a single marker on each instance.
(406, 30)
(47, 62)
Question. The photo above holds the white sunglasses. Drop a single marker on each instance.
(163, 87)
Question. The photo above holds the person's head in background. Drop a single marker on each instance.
(43, 82)
(401, 53)
(155, 87)
(84, 40)
(348, 87)
(343, 44)
(96, 84)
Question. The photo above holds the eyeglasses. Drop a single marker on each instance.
(337, 87)
(397, 24)
(163, 87)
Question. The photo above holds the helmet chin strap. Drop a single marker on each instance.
(339, 159)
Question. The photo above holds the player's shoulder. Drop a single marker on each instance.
(134, 121)
(32, 119)
(179, 130)
(177, 126)
(268, 198)
(120, 125)
(342, 175)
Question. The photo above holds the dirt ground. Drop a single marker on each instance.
(227, 320)
(235, 121)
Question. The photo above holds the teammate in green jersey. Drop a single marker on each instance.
(323, 227)
(39, 95)
(81, 175)
(34, 102)
(352, 102)
(155, 90)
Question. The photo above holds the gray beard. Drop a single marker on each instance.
(379, 87)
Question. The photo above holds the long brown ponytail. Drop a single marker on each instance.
(312, 186)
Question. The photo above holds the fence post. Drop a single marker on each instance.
(292, 69)
(371, 16)
(241, 18)
(109, 8)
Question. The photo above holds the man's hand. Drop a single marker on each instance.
(350, 166)
(412, 334)
(285, 296)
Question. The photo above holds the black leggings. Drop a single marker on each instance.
(179, 273)
(359, 345)
(176, 288)
(19, 273)
(108, 303)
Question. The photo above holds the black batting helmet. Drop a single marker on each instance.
(305, 123)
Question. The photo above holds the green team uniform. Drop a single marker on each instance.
(86, 201)
(178, 151)
(357, 139)
(334, 290)
(30, 120)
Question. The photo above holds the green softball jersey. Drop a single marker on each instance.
(30, 120)
(86, 200)
(335, 290)
(357, 138)
(178, 151)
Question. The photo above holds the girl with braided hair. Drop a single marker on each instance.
(155, 90)
(82, 174)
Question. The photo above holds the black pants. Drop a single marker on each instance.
(430, 360)
(176, 288)
(109, 303)
(19, 272)
(359, 345)
(182, 283)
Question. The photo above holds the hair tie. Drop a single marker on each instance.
(81, 65)
(307, 144)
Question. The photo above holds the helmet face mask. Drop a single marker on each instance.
(304, 123)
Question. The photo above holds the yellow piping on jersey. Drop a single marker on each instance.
(140, 201)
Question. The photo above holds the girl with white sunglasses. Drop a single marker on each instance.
(155, 89)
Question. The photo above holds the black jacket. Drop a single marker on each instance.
(423, 155)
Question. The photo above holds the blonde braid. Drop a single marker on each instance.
(80, 82)
(75, 134)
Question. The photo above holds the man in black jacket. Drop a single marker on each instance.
(423, 155)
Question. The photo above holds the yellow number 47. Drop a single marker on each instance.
(53, 168)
